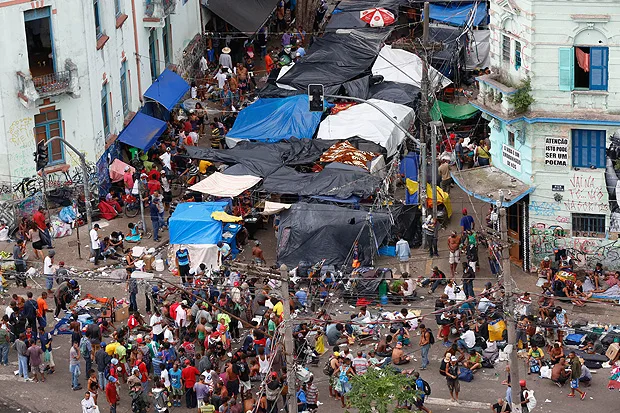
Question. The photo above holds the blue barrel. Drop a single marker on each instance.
(384, 300)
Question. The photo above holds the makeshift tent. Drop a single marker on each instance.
(167, 90)
(401, 66)
(142, 132)
(346, 153)
(368, 123)
(452, 113)
(409, 168)
(335, 59)
(404, 94)
(274, 207)
(272, 120)
(460, 14)
(247, 16)
(225, 186)
(451, 58)
(313, 232)
(477, 55)
(191, 223)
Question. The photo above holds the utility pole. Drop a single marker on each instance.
(289, 345)
(424, 116)
(142, 205)
(509, 309)
(434, 126)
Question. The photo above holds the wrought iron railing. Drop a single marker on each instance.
(52, 83)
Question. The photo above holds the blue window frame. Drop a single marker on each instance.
(165, 39)
(599, 72)
(98, 29)
(105, 110)
(124, 88)
(588, 148)
(117, 8)
(46, 126)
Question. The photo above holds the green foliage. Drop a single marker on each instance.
(395, 285)
(522, 99)
(377, 390)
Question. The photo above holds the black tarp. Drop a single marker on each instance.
(394, 92)
(313, 232)
(452, 57)
(336, 58)
(247, 16)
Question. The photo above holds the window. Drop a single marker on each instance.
(511, 139)
(584, 68)
(117, 8)
(39, 41)
(97, 19)
(165, 37)
(153, 54)
(124, 88)
(46, 126)
(588, 225)
(517, 55)
(505, 48)
(588, 148)
(105, 110)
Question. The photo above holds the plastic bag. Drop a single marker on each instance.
(46, 356)
(545, 372)
(496, 330)
(320, 345)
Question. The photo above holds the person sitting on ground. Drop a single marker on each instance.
(473, 361)
(556, 353)
(134, 234)
(398, 355)
(535, 357)
(559, 373)
(383, 347)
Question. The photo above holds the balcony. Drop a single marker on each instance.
(156, 11)
(493, 95)
(32, 89)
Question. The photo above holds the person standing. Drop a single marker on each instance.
(431, 231)
(48, 272)
(419, 384)
(39, 219)
(132, 289)
(22, 356)
(176, 384)
(110, 393)
(182, 261)
(467, 222)
(128, 180)
(102, 360)
(95, 244)
(454, 243)
(452, 379)
(5, 344)
(225, 59)
(154, 211)
(86, 351)
(46, 346)
(446, 179)
(575, 374)
(35, 355)
(74, 366)
(460, 156)
(425, 345)
(468, 280)
(18, 258)
(403, 252)
(29, 311)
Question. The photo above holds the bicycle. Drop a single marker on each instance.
(131, 205)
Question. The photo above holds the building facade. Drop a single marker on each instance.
(562, 144)
(77, 69)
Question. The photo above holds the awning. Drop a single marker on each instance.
(219, 184)
(274, 207)
(142, 132)
(167, 89)
(460, 14)
(247, 16)
(485, 182)
(452, 113)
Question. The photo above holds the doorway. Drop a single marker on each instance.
(40, 41)
(515, 218)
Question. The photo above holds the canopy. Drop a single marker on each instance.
(225, 186)
(401, 93)
(274, 207)
(272, 120)
(459, 14)
(485, 182)
(247, 16)
(401, 66)
(191, 223)
(142, 132)
(452, 113)
(479, 49)
(167, 89)
(368, 123)
(313, 232)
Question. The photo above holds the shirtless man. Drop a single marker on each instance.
(454, 242)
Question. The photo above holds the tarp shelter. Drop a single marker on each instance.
(478, 52)
(142, 132)
(401, 66)
(272, 120)
(313, 232)
(336, 58)
(247, 16)
(346, 153)
(225, 186)
(346, 15)
(409, 167)
(401, 93)
(460, 14)
(452, 113)
(368, 123)
(451, 58)
(167, 90)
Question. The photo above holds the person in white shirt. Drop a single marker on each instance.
(48, 272)
(225, 59)
(94, 243)
(449, 290)
(88, 404)
(165, 378)
(485, 304)
(467, 340)
(204, 66)
(181, 317)
(156, 324)
(408, 287)
(168, 336)
(165, 160)
(221, 78)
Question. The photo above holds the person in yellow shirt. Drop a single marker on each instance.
(278, 307)
(482, 154)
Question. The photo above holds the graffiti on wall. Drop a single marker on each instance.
(586, 194)
(546, 209)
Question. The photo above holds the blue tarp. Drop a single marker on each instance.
(142, 132)
(459, 14)
(275, 119)
(167, 89)
(409, 167)
(191, 223)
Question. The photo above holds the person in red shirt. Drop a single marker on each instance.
(268, 62)
(110, 393)
(144, 373)
(39, 218)
(153, 185)
(188, 375)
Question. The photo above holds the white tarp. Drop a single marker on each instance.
(198, 254)
(401, 66)
(274, 207)
(222, 185)
(368, 123)
(478, 50)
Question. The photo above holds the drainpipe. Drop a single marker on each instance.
(137, 51)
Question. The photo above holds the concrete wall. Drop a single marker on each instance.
(500, 138)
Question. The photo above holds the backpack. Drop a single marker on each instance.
(531, 404)
(466, 375)
(328, 370)
(426, 388)
(442, 368)
(431, 337)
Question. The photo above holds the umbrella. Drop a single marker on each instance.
(377, 17)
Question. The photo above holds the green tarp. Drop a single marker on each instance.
(452, 113)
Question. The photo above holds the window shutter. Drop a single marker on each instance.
(566, 62)
(599, 58)
(601, 159)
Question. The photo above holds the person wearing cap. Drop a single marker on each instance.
(111, 394)
(398, 355)
(403, 253)
(95, 244)
(452, 378)
(225, 59)
(467, 222)
(525, 394)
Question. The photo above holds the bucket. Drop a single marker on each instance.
(384, 300)
(159, 265)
